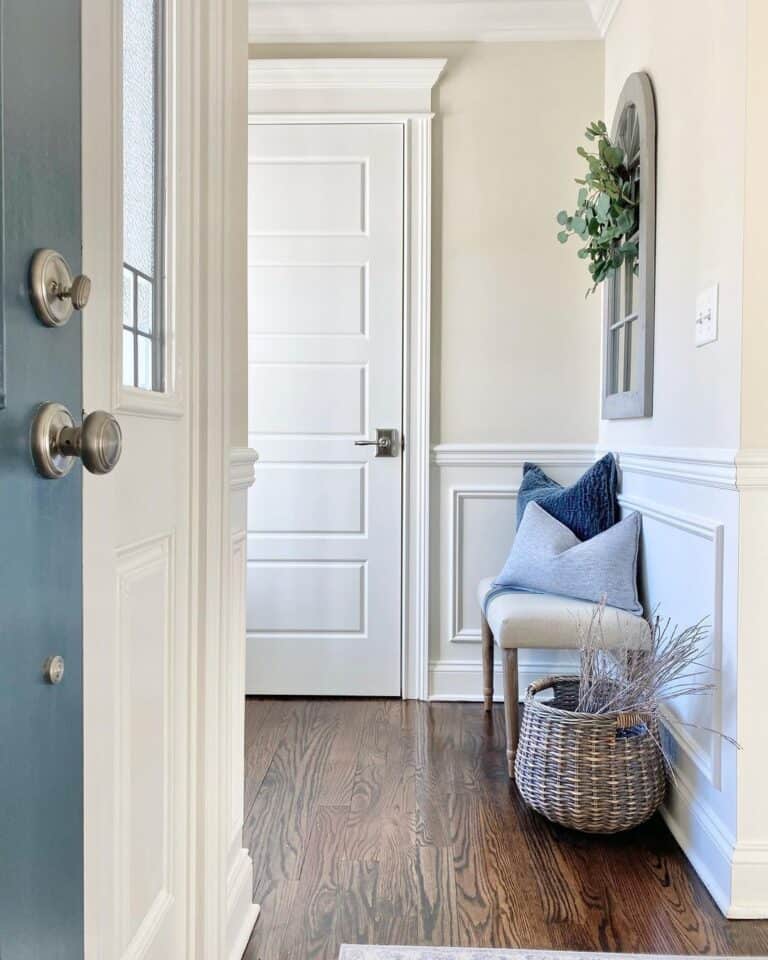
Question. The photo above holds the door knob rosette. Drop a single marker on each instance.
(56, 440)
(54, 292)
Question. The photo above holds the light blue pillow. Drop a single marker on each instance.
(547, 557)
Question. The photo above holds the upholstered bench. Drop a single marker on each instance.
(539, 620)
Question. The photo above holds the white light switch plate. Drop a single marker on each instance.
(706, 316)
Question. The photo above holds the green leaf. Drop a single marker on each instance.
(603, 204)
(562, 218)
(562, 236)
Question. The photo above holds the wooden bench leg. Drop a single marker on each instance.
(487, 640)
(511, 707)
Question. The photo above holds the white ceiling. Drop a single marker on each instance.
(341, 21)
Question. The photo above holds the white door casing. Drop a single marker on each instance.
(396, 91)
(165, 872)
(325, 267)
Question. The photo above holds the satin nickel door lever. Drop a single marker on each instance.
(386, 443)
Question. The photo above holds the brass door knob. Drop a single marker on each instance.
(56, 440)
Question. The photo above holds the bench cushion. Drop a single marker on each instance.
(543, 620)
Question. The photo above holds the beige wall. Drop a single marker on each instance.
(238, 325)
(694, 51)
(754, 385)
(515, 343)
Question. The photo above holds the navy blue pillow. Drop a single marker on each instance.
(587, 507)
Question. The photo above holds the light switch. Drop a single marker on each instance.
(706, 316)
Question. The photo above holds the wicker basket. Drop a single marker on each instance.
(600, 773)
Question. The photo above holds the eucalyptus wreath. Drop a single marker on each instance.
(606, 215)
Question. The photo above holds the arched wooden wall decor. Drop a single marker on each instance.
(629, 295)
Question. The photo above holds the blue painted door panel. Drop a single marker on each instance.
(41, 755)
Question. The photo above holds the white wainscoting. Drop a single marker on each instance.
(475, 488)
(689, 566)
(689, 569)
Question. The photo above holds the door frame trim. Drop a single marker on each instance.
(210, 89)
(337, 79)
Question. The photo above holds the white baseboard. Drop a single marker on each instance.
(735, 874)
(462, 680)
(242, 913)
(749, 897)
(703, 839)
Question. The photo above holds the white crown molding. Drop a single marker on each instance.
(343, 74)
(242, 461)
(603, 12)
(340, 21)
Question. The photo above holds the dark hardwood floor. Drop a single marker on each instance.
(380, 821)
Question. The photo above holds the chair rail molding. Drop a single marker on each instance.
(242, 463)
(708, 466)
(512, 454)
(752, 469)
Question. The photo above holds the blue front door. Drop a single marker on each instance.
(41, 736)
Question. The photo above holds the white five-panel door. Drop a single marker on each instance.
(325, 267)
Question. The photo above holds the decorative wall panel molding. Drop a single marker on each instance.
(142, 816)
(707, 760)
(458, 630)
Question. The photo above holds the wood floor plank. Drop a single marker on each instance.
(279, 822)
(388, 822)
(381, 808)
(436, 887)
(312, 932)
(339, 780)
(264, 726)
(277, 904)
(492, 908)
(358, 896)
(397, 901)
